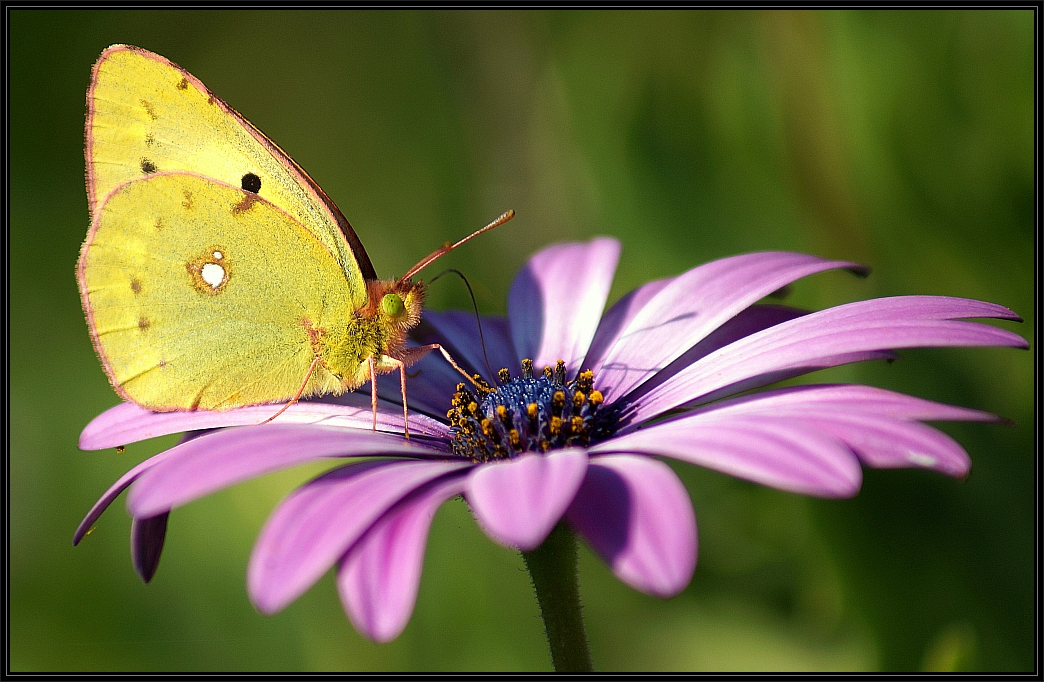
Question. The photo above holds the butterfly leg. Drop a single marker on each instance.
(372, 362)
(412, 355)
(297, 396)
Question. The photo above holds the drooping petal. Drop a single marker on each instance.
(636, 514)
(776, 452)
(113, 492)
(207, 464)
(380, 574)
(518, 501)
(317, 523)
(147, 536)
(884, 323)
(128, 423)
(693, 305)
(557, 299)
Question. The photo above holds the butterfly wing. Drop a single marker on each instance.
(202, 295)
(146, 115)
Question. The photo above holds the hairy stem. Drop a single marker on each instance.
(552, 566)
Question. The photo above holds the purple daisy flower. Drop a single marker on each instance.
(579, 441)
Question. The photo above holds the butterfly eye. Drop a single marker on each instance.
(392, 306)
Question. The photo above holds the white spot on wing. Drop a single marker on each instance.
(218, 255)
(213, 274)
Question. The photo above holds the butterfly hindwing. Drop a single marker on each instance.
(202, 295)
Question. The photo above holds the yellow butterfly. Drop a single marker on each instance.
(216, 273)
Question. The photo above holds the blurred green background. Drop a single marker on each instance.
(903, 140)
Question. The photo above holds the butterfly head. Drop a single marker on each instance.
(397, 302)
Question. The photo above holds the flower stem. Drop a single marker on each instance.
(552, 566)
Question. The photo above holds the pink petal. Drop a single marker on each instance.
(113, 492)
(888, 443)
(459, 333)
(557, 299)
(636, 514)
(617, 318)
(845, 399)
(884, 323)
(880, 425)
(774, 452)
(518, 501)
(693, 305)
(380, 574)
(128, 423)
(147, 536)
(317, 523)
(215, 461)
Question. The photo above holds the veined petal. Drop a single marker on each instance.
(209, 463)
(776, 452)
(380, 574)
(691, 306)
(128, 423)
(317, 523)
(518, 501)
(557, 299)
(147, 536)
(617, 318)
(113, 492)
(636, 514)
(882, 427)
(884, 323)
(844, 399)
(459, 333)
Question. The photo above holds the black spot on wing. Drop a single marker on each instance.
(251, 183)
(183, 84)
(147, 166)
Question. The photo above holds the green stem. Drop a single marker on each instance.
(552, 566)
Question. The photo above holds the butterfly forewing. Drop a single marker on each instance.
(147, 116)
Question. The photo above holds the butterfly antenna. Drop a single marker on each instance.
(478, 318)
(297, 396)
(427, 260)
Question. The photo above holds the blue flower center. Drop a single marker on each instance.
(528, 414)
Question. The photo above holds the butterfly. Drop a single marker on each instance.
(216, 273)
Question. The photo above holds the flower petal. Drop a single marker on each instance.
(884, 323)
(693, 305)
(636, 514)
(113, 492)
(776, 452)
(380, 574)
(844, 399)
(209, 463)
(617, 318)
(458, 332)
(128, 423)
(314, 526)
(147, 536)
(557, 299)
(518, 501)
(880, 426)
